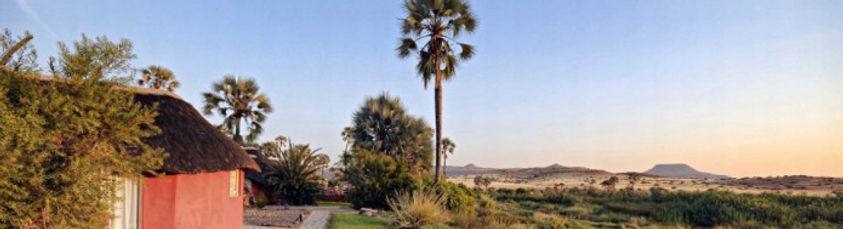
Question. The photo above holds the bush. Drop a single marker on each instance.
(457, 197)
(373, 176)
(575, 212)
(418, 208)
(61, 144)
(545, 221)
(261, 200)
(696, 209)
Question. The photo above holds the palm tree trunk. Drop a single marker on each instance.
(445, 167)
(237, 137)
(438, 98)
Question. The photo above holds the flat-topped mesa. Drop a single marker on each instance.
(680, 170)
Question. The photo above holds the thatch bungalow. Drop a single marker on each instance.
(256, 184)
(203, 185)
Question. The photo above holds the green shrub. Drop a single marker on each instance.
(697, 209)
(374, 176)
(457, 197)
(261, 200)
(575, 212)
(546, 221)
(418, 208)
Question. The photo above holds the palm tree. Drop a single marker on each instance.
(238, 101)
(447, 148)
(158, 77)
(382, 125)
(436, 23)
(347, 136)
(294, 175)
(273, 148)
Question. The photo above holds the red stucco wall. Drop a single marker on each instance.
(191, 201)
(258, 189)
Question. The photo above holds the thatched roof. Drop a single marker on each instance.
(194, 145)
(263, 162)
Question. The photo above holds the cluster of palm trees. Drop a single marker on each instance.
(429, 31)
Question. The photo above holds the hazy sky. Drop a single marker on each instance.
(735, 87)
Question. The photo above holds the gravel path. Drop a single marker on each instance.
(318, 219)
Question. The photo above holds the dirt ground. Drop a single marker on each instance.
(753, 185)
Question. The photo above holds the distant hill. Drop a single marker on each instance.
(681, 171)
(555, 166)
(469, 169)
(523, 173)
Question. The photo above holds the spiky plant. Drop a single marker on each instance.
(418, 208)
(436, 24)
(294, 176)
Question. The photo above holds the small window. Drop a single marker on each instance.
(234, 183)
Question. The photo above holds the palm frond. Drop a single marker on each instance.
(406, 46)
(466, 51)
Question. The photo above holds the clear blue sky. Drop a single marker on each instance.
(736, 87)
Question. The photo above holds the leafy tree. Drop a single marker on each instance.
(481, 181)
(447, 148)
(99, 58)
(633, 178)
(63, 141)
(294, 177)
(382, 125)
(17, 53)
(373, 176)
(238, 101)
(610, 183)
(158, 77)
(437, 24)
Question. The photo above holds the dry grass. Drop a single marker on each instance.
(418, 208)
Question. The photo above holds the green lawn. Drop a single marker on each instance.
(333, 204)
(355, 221)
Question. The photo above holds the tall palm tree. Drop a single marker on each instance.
(447, 148)
(158, 77)
(437, 24)
(238, 101)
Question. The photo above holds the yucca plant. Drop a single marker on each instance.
(418, 208)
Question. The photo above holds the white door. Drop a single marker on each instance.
(127, 207)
